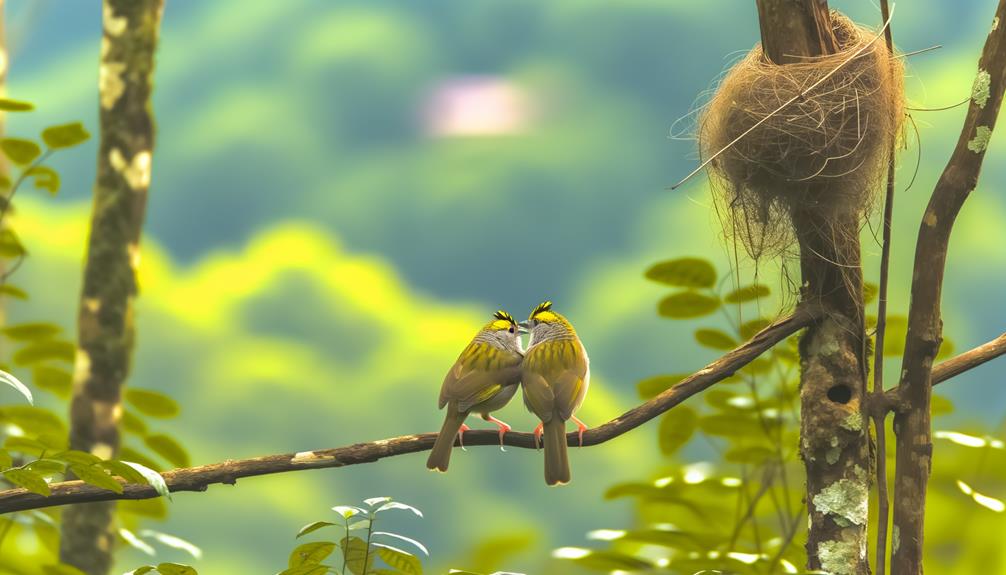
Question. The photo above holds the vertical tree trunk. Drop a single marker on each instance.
(105, 317)
(834, 441)
(925, 325)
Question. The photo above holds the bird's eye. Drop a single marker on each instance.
(511, 329)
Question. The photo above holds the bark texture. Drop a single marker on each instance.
(912, 423)
(105, 320)
(834, 441)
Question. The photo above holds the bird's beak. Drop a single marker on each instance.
(522, 327)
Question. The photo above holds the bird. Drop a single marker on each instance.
(555, 375)
(483, 379)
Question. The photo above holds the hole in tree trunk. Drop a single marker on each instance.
(840, 393)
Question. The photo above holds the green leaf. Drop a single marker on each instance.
(676, 428)
(77, 457)
(21, 152)
(749, 329)
(714, 339)
(612, 561)
(96, 476)
(312, 527)
(10, 245)
(894, 335)
(32, 331)
(687, 304)
(408, 540)
(169, 449)
(34, 420)
(30, 480)
(176, 569)
(747, 293)
(25, 445)
(58, 382)
(307, 570)
(131, 423)
(653, 386)
(684, 272)
(8, 105)
(117, 467)
(65, 135)
(940, 405)
(310, 553)
(404, 562)
(152, 508)
(45, 178)
(40, 351)
(730, 425)
(47, 467)
(151, 403)
(61, 569)
(5, 459)
(13, 291)
(398, 505)
(17, 385)
(753, 454)
(355, 552)
(870, 291)
(141, 570)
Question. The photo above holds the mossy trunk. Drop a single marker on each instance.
(834, 440)
(105, 317)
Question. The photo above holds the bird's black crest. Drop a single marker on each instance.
(505, 317)
(543, 306)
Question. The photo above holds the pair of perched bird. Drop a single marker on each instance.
(554, 372)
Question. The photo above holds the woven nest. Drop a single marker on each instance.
(824, 153)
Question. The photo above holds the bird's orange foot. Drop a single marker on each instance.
(581, 427)
(537, 435)
(504, 428)
(461, 436)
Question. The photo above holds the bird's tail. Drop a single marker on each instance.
(556, 457)
(440, 457)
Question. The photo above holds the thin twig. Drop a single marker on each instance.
(883, 503)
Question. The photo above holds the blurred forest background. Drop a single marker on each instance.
(343, 191)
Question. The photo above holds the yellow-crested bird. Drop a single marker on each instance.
(555, 375)
(482, 380)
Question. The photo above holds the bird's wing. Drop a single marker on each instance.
(567, 388)
(538, 396)
(474, 380)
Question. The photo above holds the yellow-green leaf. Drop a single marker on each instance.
(97, 476)
(406, 563)
(132, 424)
(870, 291)
(65, 135)
(169, 449)
(152, 403)
(30, 480)
(31, 331)
(683, 272)
(10, 245)
(13, 291)
(127, 453)
(312, 527)
(355, 551)
(676, 428)
(176, 569)
(21, 152)
(687, 304)
(46, 350)
(34, 420)
(715, 339)
(57, 381)
(653, 386)
(310, 553)
(750, 328)
(8, 105)
(747, 293)
(45, 178)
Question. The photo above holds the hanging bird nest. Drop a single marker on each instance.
(825, 153)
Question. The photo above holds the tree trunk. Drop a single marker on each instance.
(105, 317)
(834, 440)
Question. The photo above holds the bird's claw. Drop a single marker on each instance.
(461, 435)
(537, 435)
(580, 427)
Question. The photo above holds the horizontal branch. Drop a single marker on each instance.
(957, 365)
(199, 478)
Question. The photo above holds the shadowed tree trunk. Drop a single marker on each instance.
(105, 317)
(834, 442)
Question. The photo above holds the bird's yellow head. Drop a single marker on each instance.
(502, 332)
(545, 324)
(502, 321)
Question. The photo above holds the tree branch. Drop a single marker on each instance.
(199, 478)
(925, 326)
